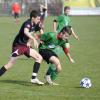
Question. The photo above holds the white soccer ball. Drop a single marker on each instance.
(85, 83)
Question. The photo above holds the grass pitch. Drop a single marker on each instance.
(15, 84)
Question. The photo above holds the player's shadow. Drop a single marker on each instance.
(25, 83)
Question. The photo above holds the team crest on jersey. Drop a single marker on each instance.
(28, 26)
(52, 46)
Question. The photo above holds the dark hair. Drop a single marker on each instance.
(66, 29)
(34, 14)
(66, 7)
(44, 9)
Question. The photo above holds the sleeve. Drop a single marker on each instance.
(27, 25)
(65, 44)
(66, 48)
(46, 36)
(60, 18)
(54, 20)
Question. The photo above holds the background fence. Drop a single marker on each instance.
(54, 6)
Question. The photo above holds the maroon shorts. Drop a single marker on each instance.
(20, 50)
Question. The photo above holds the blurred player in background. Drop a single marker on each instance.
(21, 45)
(50, 41)
(62, 21)
(43, 10)
(58, 24)
(16, 11)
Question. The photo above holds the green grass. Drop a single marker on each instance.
(15, 84)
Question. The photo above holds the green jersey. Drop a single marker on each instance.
(50, 41)
(63, 20)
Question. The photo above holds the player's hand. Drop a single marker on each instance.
(37, 36)
(72, 61)
(28, 44)
(77, 38)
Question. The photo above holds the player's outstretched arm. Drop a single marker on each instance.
(70, 58)
(74, 35)
(43, 7)
(55, 25)
(66, 51)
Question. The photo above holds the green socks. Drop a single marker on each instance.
(53, 72)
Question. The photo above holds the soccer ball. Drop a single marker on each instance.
(85, 83)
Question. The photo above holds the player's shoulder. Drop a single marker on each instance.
(50, 33)
(61, 16)
(27, 23)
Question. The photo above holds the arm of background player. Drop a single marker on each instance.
(31, 38)
(67, 53)
(74, 35)
(42, 6)
(55, 25)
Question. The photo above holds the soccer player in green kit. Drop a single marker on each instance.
(50, 41)
(62, 21)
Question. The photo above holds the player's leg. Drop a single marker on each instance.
(8, 65)
(50, 56)
(17, 18)
(14, 16)
(14, 57)
(52, 67)
(56, 62)
(38, 59)
(42, 23)
(53, 72)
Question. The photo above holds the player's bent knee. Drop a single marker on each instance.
(58, 65)
(59, 69)
(56, 61)
(39, 59)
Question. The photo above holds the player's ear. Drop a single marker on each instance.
(61, 33)
(32, 18)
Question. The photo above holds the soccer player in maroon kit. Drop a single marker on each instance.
(42, 11)
(21, 45)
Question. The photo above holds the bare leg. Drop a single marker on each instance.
(34, 54)
(8, 65)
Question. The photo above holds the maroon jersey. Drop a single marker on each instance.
(21, 38)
